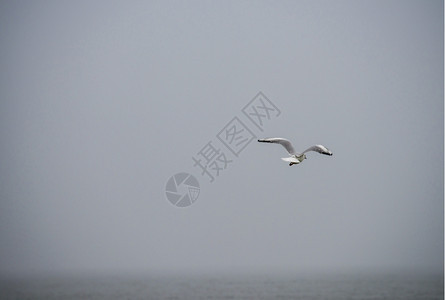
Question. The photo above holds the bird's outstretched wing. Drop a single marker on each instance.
(283, 142)
(320, 149)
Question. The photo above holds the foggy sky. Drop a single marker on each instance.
(101, 102)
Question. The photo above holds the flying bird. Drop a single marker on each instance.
(296, 158)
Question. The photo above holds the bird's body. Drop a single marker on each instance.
(292, 160)
(296, 158)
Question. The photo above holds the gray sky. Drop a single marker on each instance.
(101, 102)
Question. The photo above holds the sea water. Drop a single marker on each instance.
(254, 286)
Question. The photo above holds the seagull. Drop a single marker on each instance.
(296, 158)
